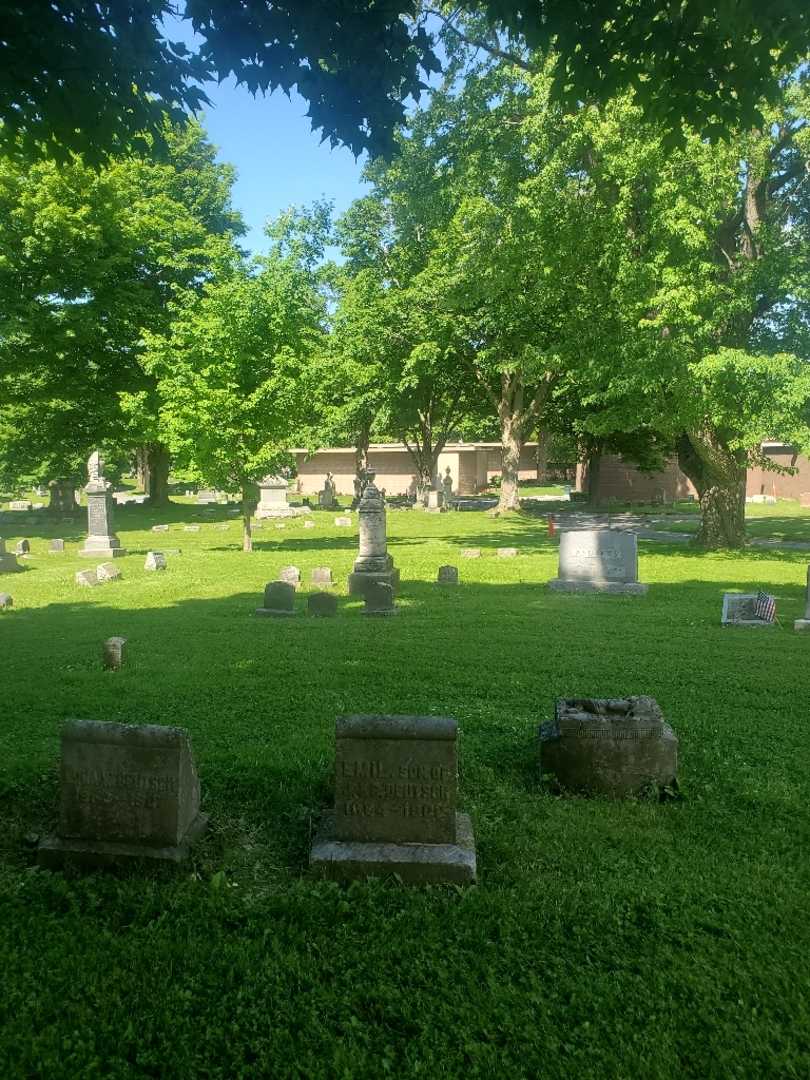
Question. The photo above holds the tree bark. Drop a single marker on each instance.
(511, 447)
(248, 507)
(142, 468)
(719, 477)
(62, 497)
(594, 477)
(158, 464)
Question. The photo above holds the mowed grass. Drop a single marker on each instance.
(604, 939)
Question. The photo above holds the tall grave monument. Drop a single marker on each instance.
(373, 562)
(273, 500)
(395, 812)
(101, 540)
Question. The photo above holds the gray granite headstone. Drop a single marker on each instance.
(373, 563)
(112, 653)
(447, 575)
(804, 624)
(396, 781)
(155, 560)
(101, 540)
(321, 575)
(379, 599)
(739, 609)
(23, 548)
(127, 792)
(616, 747)
(323, 604)
(6, 600)
(56, 547)
(279, 599)
(108, 572)
(86, 578)
(290, 574)
(8, 561)
(598, 560)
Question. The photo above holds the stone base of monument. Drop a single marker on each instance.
(359, 580)
(617, 588)
(9, 564)
(415, 864)
(54, 852)
(266, 612)
(101, 550)
(801, 624)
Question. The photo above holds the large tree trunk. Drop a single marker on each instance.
(157, 479)
(594, 478)
(248, 507)
(142, 468)
(719, 477)
(62, 497)
(511, 448)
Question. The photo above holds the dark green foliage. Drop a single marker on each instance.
(632, 939)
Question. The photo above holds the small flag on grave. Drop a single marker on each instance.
(765, 607)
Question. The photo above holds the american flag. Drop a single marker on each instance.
(765, 607)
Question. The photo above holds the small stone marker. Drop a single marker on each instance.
(279, 599)
(8, 562)
(471, 553)
(323, 604)
(108, 572)
(507, 553)
(23, 548)
(309, 524)
(281, 526)
(160, 528)
(155, 560)
(598, 560)
(19, 504)
(86, 578)
(6, 600)
(57, 547)
(191, 528)
(396, 780)
(379, 599)
(343, 522)
(112, 653)
(804, 624)
(321, 575)
(447, 575)
(609, 746)
(290, 574)
(127, 792)
(740, 609)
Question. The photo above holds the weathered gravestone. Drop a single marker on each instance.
(101, 540)
(6, 600)
(323, 604)
(471, 553)
(207, 496)
(23, 548)
(309, 524)
(273, 500)
(56, 547)
(379, 599)
(434, 501)
(127, 792)
(373, 564)
(343, 522)
(507, 553)
(740, 609)
(290, 574)
(598, 560)
(86, 578)
(155, 560)
(321, 575)
(108, 572)
(447, 575)
(396, 782)
(112, 653)
(804, 624)
(191, 528)
(615, 747)
(8, 562)
(20, 505)
(160, 528)
(279, 599)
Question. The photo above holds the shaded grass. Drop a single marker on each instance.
(628, 939)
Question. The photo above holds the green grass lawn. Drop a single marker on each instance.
(628, 939)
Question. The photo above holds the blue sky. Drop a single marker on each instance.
(279, 159)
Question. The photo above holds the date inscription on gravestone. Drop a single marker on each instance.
(396, 779)
(603, 555)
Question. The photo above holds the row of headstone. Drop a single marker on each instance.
(132, 792)
(279, 600)
(103, 572)
(321, 575)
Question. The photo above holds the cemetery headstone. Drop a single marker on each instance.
(19, 504)
(471, 553)
(86, 578)
(804, 624)
(434, 501)
(309, 524)
(6, 600)
(373, 564)
(447, 485)
(343, 522)
(23, 548)
(507, 552)
(279, 599)
(160, 528)
(191, 528)
(207, 496)
(379, 599)
(273, 500)
(290, 574)
(321, 575)
(155, 560)
(447, 575)
(323, 604)
(101, 540)
(616, 747)
(396, 780)
(8, 561)
(327, 498)
(598, 560)
(112, 653)
(56, 547)
(127, 792)
(740, 609)
(108, 571)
